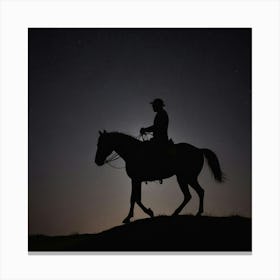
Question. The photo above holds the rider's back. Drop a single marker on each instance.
(161, 126)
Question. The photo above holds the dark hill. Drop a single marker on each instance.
(163, 233)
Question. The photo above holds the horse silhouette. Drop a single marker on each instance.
(147, 162)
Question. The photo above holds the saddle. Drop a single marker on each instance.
(159, 150)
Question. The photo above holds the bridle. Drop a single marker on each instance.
(114, 156)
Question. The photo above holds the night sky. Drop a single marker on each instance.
(84, 80)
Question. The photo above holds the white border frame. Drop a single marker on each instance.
(17, 16)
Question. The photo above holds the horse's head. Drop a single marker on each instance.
(104, 148)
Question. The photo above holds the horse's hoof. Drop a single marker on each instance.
(150, 213)
(126, 221)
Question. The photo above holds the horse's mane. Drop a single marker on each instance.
(122, 135)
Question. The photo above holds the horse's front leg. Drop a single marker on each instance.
(136, 197)
(132, 203)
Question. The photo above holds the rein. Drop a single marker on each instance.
(114, 156)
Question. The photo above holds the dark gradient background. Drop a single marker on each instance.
(83, 80)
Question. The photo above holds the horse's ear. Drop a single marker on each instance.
(100, 133)
(104, 131)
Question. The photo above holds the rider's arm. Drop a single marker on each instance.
(147, 129)
(150, 128)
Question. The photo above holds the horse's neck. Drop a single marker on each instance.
(126, 146)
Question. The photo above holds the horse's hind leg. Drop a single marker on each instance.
(183, 183)
(200, 192)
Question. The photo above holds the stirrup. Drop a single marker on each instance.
(160, 181)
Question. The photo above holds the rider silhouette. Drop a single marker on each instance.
(160, 126)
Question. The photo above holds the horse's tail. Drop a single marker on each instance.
(214, 164)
